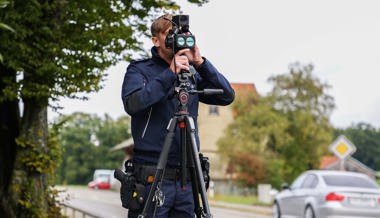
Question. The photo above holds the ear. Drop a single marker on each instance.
(155, 41)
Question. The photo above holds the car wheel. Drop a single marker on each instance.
(309, 212)
(276, 211)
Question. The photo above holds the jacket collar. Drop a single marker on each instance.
(156, 57)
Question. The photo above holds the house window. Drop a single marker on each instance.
(213, 110)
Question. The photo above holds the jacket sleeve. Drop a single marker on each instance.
(210, 78)
(140, 92)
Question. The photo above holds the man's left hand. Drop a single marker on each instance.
(194, 56)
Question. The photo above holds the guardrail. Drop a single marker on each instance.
(76, 212)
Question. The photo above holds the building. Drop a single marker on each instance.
(126, 146)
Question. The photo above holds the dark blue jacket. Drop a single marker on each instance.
(147, 95)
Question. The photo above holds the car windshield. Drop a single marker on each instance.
(102, 177)
(350, 181)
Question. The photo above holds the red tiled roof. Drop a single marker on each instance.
(244, 87)
(327, 161)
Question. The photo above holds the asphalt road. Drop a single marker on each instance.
(106, 204)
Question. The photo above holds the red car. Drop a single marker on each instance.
(99, 185)
(102, 179)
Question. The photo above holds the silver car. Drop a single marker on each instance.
(329, 194)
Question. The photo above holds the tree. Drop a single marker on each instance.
(61, 48)
(85, 141)
(366, 138)
(8, 129)
(303, 100)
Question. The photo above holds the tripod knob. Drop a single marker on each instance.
(183, 97)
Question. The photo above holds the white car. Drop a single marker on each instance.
(329, 194)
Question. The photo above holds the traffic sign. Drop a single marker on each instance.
(342, 147)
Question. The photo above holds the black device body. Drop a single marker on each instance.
(180, 37)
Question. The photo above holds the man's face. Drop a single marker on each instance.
(159, 43)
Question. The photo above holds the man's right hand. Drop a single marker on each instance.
(181, 61)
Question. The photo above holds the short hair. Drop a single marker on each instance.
(161, 24)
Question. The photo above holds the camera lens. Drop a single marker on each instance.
(181, 41)
(190, 41)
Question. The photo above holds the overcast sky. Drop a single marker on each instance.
(251, 40)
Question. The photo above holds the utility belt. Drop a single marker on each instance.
(145, 173)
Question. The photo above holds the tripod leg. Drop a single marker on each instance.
(191, 131)
(195, 185)
(160, 166)
(184, 153)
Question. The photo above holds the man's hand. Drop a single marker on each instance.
(194, 56)
(184, 57)
(181, 61)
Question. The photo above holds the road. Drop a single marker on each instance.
(105, 203)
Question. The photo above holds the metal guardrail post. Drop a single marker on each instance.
(74, 210)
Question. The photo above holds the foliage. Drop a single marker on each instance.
(63, 47)
(4, 26)
(299, 90)
(366, 138)
(250, 169)
(275, 171)
(41, 162)
(303, 100)
(86, 140)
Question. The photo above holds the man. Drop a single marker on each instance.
(147, 95)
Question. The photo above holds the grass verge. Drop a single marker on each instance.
(235, 199)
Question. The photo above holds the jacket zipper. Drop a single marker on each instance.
(147, 123)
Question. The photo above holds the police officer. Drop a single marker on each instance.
(147, 97)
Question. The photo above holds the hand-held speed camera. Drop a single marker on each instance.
(180, 37)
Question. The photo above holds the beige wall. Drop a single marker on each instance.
(210, 129)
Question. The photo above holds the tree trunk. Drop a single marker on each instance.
(9, 130)
(30, 192)
(8, 133)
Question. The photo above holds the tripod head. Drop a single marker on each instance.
(186, 87)
(183, 90)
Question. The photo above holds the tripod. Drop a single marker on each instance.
(189, 156)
